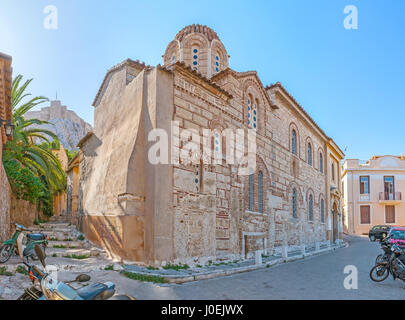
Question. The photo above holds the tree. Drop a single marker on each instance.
(22, 153)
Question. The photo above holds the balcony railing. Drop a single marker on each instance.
(390, 197)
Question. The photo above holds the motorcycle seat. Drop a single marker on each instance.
(36, 236)
(97, 291)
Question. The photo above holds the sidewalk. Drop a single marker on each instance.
(182, 274)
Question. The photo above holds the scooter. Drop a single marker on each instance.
(47, 288)
(9, 246)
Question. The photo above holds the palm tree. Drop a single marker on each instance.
(23, 149)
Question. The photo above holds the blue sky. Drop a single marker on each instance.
(350, 81)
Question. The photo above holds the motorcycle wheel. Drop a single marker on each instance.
(379, 273)
(34, 255)
(5, 252)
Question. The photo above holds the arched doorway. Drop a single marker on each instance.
(335, 222)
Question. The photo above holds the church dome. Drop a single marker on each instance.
(199, 47)
(197, 28)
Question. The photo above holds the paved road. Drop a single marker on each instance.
(319, 277)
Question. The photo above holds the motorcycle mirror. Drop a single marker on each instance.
(83, 278)
(40, 254)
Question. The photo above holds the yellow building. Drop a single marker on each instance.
(59, 200)
(373, 193)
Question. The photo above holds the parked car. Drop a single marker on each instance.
(397, 236)
(378, 232)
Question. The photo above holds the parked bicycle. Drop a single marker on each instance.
(9, 246)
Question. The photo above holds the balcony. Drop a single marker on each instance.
(390, 198)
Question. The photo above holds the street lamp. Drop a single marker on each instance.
(9, 127)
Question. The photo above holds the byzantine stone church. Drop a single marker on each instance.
(193, 213)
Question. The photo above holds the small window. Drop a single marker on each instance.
(173, 59)
(321, 162)
(294, 142)
(195, 59)
(322, 210)
(333, 171)
(217, 63)
(309, 156)
(364, 185)
(365, 215)
(310, 208)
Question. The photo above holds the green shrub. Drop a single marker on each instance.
(176, 266)
(141, 277)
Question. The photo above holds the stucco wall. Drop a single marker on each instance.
(104, 166)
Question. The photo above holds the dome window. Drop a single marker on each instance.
(195, 59)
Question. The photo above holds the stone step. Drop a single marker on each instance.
(52, 252)
(67, 244)
(67, 264)
(55, 225)
(56, 229)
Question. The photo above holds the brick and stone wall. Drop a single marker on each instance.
(5, 198)
(5, 114)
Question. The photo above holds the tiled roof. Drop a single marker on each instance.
(197, 28)
(236, 74)
(198, 74)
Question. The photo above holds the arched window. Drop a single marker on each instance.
(195, 53)
(321, 162)
(173, 58)
(254, 109)
(310, 208)
(260, 191)
(322, 210)
(294, 142)
(217, 63)
(309, 151)
(294, 203)
(252, 112)
(251, 193)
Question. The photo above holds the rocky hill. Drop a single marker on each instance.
(66, 124)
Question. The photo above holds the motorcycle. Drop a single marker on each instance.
(10, 246)
(386, 247)
(394, 265)
(47, 288)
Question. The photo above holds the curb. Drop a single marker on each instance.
(179, 279)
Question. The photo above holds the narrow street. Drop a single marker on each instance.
(319, 277)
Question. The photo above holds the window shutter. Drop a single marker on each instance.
(365, 215)
(390, 214)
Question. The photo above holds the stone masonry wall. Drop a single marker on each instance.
(5, 194)
(211, 213)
